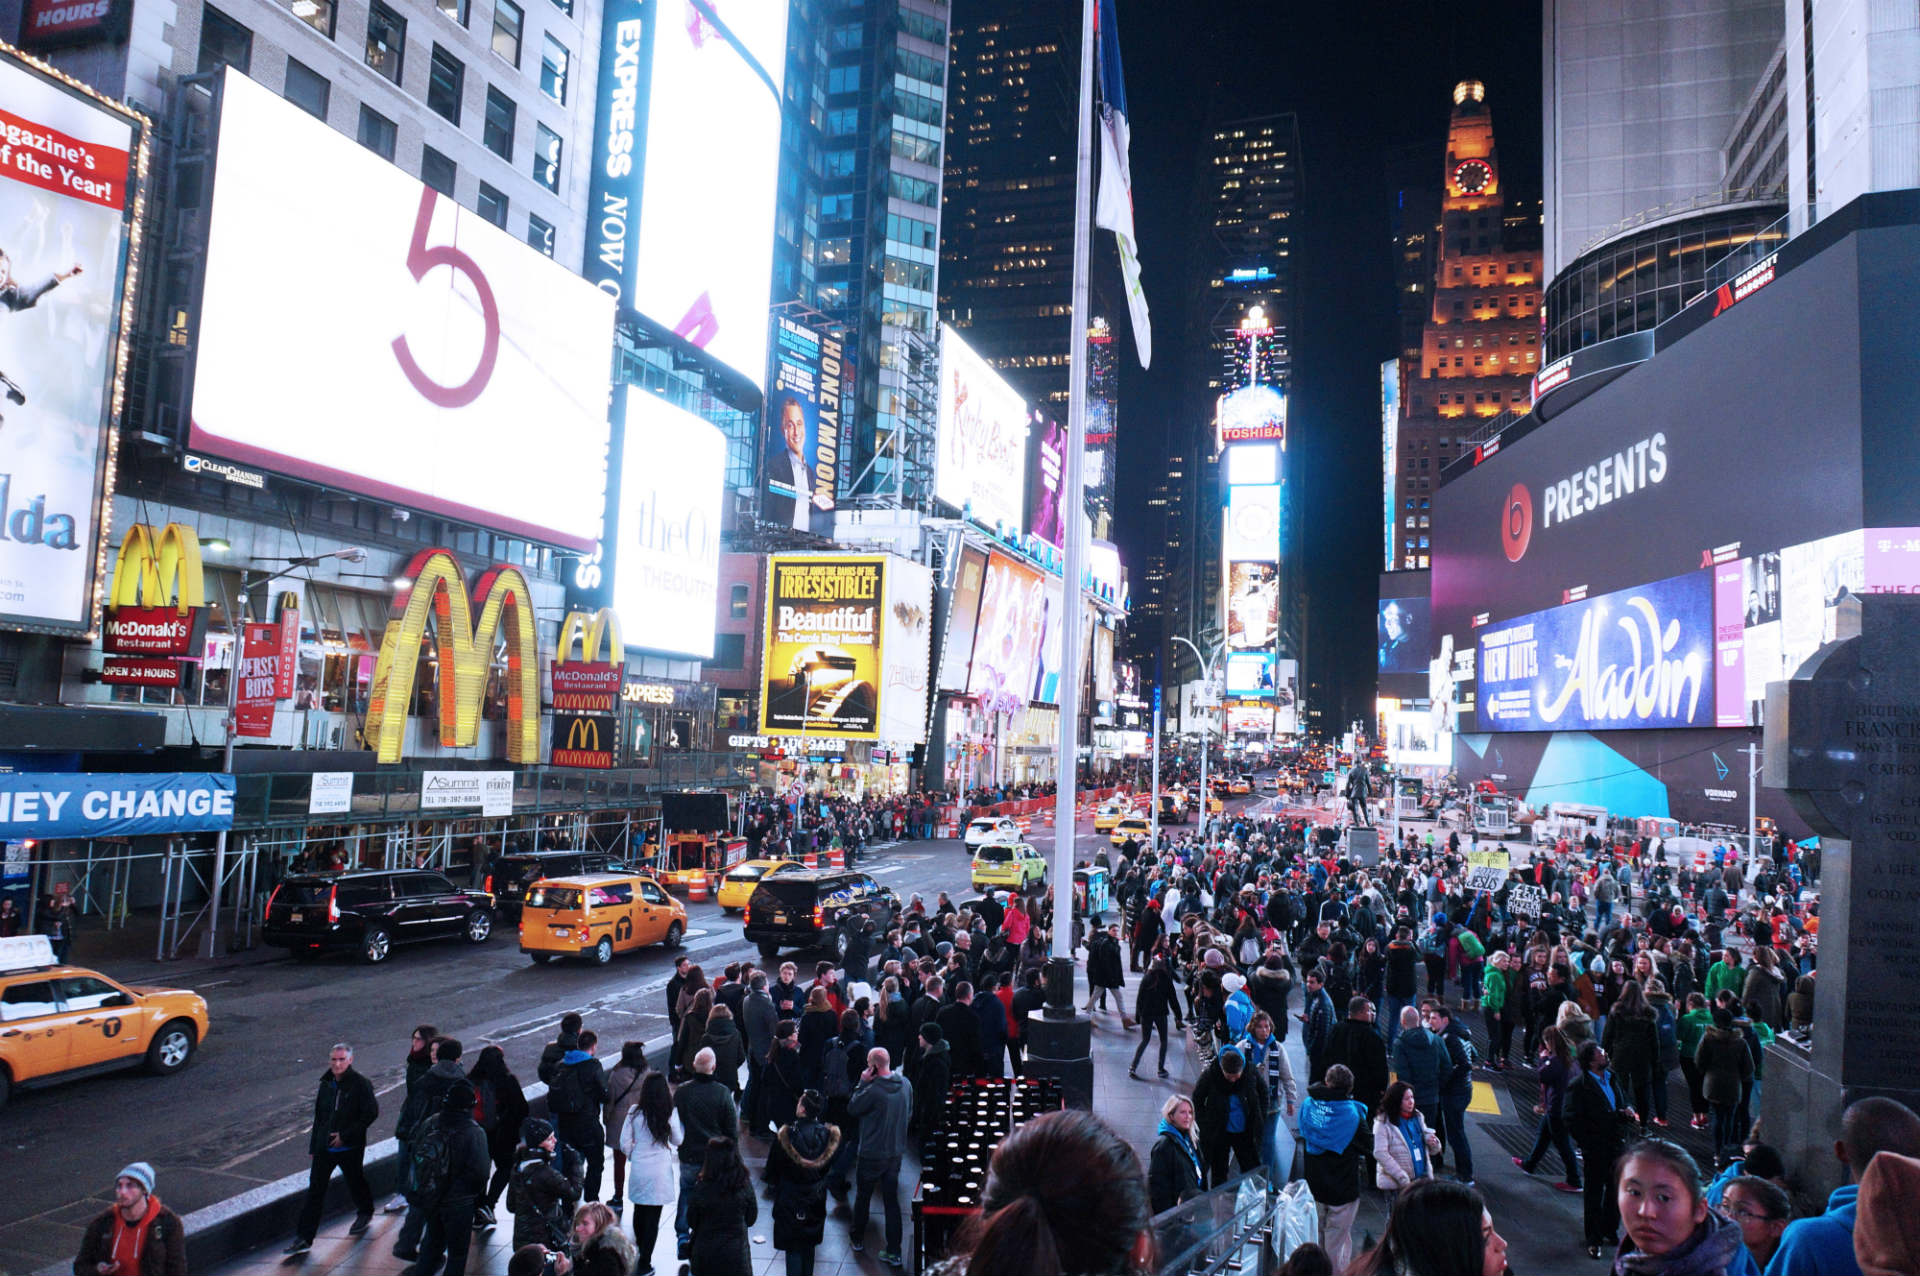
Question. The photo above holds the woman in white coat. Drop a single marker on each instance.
(651, 1140)
(1403, 1144)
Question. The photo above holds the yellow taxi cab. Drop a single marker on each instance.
(741, 880)
(1137, 827)
(1017, 865)
(1239, 786)
(58, 1023)
(596, 915)
(1111, 812)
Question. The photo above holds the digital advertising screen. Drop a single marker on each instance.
(906, 627)
(823, 663)
(1102, 663)
(1006, 644)
(704, 253)
(666, 561)
(963, 612)
(1052, 663)
(425, 357)
(1249, 719)
(1253, 523)
(802, 461)
(69, 173)
(1251, 414)
(1249, 673)
(1253, 606)
(1046, 463)
(982, 445)
(1401, 635)
(1636, 658)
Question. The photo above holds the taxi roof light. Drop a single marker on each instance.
(24, 952)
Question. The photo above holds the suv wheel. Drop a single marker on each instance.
(769, 951)
(376, 946)
(674, 932)
(170, 1048)
(479, 926)
(603, 951)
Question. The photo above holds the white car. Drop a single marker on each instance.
(992, 830)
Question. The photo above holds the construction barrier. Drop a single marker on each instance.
(697, 889)
(837, 858)
(949, 830)
(1024, 823)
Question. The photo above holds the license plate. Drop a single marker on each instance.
(293, 919)
(779, 919)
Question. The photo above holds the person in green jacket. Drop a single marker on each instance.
(1726, 973)
(1692, 1024)
(1493, 1000)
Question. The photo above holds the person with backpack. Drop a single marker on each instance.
(1456, 1087)
(575, 1098)
(450, 1168)
(796, 1177)
(342, 1111)
(623, 1091)
(544, 1188)
(421, 1112)
(840, 1065)
(499, 1106)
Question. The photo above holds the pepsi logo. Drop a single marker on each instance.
(1516, 526)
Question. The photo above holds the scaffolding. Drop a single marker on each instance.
(899, 475)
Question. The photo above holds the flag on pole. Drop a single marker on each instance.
(1114, 209)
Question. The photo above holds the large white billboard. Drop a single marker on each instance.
(906, 652)
(68, 164)
(666, 560)
(1253, 524)
(982, 462)
(705, 253)
(358, 329)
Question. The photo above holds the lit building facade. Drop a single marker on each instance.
(1479, 347)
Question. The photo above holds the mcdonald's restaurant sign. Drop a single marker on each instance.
(466, 627)
(588, 685)
(584, 740)
(157, 602)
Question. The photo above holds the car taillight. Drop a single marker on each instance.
(270, 898)
(583, 935)
(819, 916)
(333, 904)
(489, 883)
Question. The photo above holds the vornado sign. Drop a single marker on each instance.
(464, 653)
(1613, 477)
(158, 593)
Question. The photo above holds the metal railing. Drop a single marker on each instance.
(1229, 1229)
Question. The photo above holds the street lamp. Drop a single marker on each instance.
(250, 581)
(1206, 725)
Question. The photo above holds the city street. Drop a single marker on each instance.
(238, 1116)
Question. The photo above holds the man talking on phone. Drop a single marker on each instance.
(883, 1105)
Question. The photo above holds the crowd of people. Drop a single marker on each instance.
(1599, 969)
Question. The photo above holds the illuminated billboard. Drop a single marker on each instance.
(963, 611)
(1249, 673)
(1006, 644)
(1401, 635)
(684, 240)
(802, 461)
(1047, 444)
(1252, 414)
(666, 533)
(982, 447)
(424, 357)
(822, 671)
(1253, 606)
(1253, 523)
(69, 173)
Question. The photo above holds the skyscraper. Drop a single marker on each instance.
(1480, 345)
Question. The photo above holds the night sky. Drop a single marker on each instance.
(1364, 78)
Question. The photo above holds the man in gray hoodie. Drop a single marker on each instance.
(883, 1104)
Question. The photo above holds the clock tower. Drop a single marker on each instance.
(1480, 344)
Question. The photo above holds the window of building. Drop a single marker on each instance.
(455, 9)
(729, 650)
(737, 600)
(386, 41)
(843, 79)
(838, 163)
(540, 234)
(509, 21)
(437, 171)
(546, 157)
(377, 132)
(918, 149)
(308, 89)
(833, 252)
(223, 42)
(318, 14)
(923, 27)
(913, 190)
(492, 206)
(446, 84)
(841, 121)
(835, 207)
(843, 39)
(565, 6)
(554, 64)
(497, 134)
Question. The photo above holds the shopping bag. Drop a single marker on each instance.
(1299, 1217)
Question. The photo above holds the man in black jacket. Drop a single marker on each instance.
(1231, 1105)
(1358, 1045)
(707, 1112)
(453, 1200)
(422, 1110)
(931, 1085)
(569, 1037)
(576, 1098)
(962, 1028)
(1598, 1122)
(342, 1111)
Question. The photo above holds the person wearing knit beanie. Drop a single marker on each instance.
(1886, 1228)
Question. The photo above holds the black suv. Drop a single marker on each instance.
(810, 910)
(370, 912)
(509, 876)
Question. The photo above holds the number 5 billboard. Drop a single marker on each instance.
(359, 330)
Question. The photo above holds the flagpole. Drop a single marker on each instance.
(1073, 531)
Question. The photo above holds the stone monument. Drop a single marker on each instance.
(1060, 1037)
(1843, 740)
